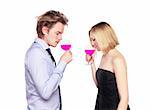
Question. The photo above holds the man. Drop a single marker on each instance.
(42, 74)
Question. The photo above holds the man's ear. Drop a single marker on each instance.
(45, 30)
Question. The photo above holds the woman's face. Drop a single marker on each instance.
(94, 43)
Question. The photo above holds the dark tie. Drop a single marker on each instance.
(49, 52)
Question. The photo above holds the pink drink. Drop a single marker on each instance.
(89, 52)
(66, 47)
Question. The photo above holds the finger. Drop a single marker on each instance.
(94, 54)
(89, 58)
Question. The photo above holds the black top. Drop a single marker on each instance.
(108, 96)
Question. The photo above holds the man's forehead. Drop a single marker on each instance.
(58, 27)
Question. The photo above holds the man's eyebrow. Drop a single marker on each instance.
(59, 32)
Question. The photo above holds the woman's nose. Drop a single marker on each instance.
(92, 43)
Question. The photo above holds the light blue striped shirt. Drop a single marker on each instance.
(42, 78)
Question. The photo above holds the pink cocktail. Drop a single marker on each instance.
(89, 52)
(66, 47)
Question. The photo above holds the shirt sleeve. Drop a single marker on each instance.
(38, 66)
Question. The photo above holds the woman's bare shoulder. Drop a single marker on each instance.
(119, 59)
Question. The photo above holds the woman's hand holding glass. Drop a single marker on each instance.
(90, 54)
(89, 59)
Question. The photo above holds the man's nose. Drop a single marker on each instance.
(60, 37)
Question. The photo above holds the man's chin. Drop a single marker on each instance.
(55, 45)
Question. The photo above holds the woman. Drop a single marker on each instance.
(111, 76)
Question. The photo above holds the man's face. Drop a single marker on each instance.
(55, 34)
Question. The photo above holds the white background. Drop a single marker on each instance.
(129, 18)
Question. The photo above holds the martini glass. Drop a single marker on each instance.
(89, 51)
(65, 45)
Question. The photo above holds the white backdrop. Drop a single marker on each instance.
(129, 18)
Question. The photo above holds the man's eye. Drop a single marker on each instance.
(93, 39)
(57, 33)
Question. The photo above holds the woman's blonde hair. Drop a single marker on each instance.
(105, 36)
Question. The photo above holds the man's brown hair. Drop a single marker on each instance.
(49, 19)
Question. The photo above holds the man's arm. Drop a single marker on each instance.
(39, 70)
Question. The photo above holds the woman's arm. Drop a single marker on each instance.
(90, 60)
(93, 68)
(122, 83)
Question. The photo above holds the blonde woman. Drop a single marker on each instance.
(111, 75)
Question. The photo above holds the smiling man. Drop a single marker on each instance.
(42, 74)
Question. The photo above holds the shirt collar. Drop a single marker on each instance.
(42, 43)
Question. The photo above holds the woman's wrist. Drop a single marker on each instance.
(92, 64)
